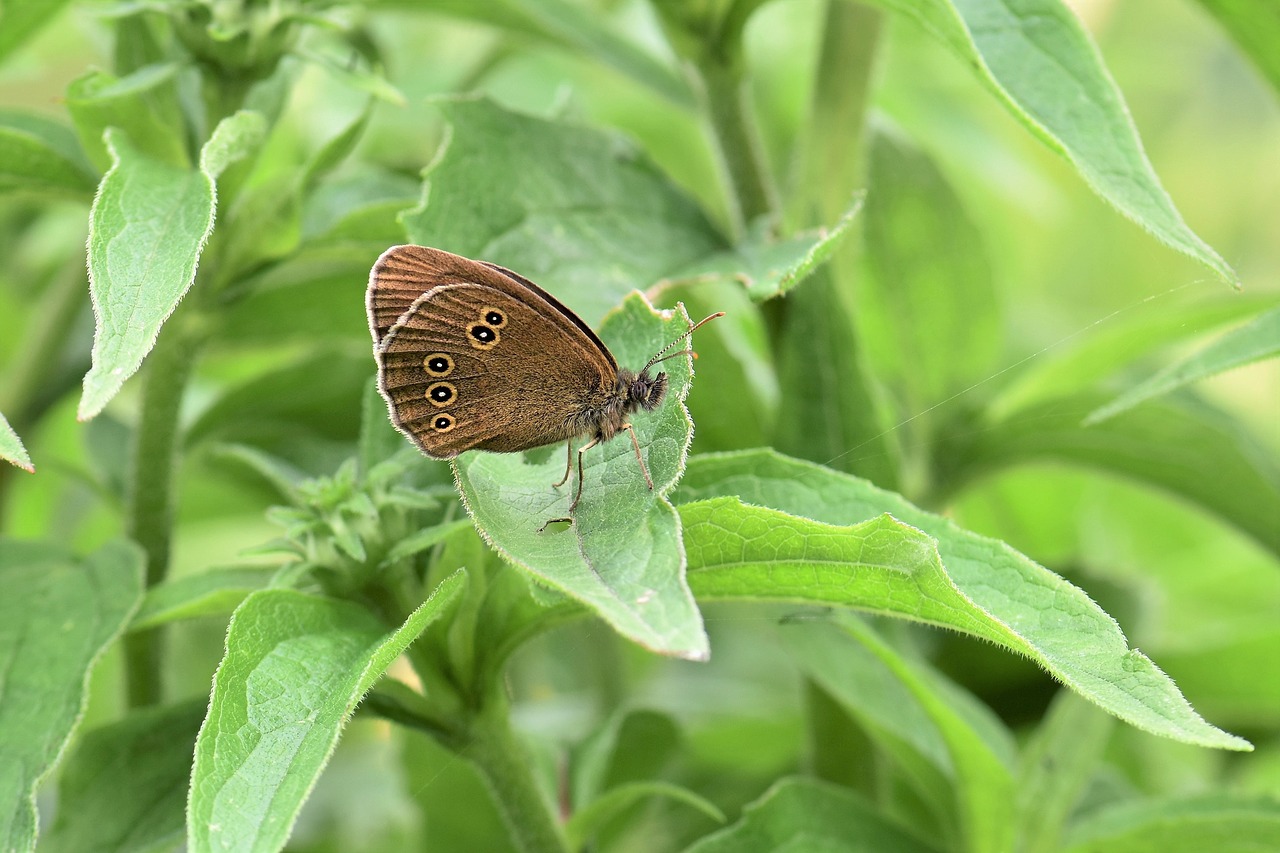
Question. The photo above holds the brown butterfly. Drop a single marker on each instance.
(472, 356)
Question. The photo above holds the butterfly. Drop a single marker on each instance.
(473, 356)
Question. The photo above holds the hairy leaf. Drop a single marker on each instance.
(622, 555)
(1039, 62)
(147, 229)
(1251, 342)
(786, 530)
(804, 814)
(125, 786)
(11, 449)
(41, 156)
(57, 616)
(296, 667)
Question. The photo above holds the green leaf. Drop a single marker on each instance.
(141, 105)
(41, 156)
(1252, 342)
(264, 225)
(211, 593)
(579, 28)
(356, 76)
(296, 667)
(1218, 822)
(282, 477)
(1254, 25)
(137, 42)
(11, 449)
(633, 744)
(515, 16)
(304, 297)
(330, 155)
(58, 614)
(147, 229)
(1218, 466)
(426, 538)
(20, 19)
(927, 312)
(576, 209)
(1061, 369)
(1055, 767)
(622, 555)
(804, 814)
(586, 822)
(235, 138)
(281, 410)
(770, 267)
(976, 758)
(125, 786)
(1039, 62)
(572, 26)
(931, 571)
(378, 440)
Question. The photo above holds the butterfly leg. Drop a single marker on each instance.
(582, 450)
(635, 442)
(568, 464)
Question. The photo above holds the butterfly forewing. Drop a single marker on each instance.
(469, 366)
(404, 273)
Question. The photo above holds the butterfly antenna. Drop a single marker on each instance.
(662, 353)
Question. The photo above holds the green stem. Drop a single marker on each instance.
(727, 102)
(150, 497)
(395, 701)
(814, 328)
(833, 151)
(508, 769)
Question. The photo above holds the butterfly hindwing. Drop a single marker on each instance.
(469, 366)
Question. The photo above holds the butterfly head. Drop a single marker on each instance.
(643, 391)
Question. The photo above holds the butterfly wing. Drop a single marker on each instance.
(469, 366)
(404, 273)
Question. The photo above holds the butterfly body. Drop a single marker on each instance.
(472, 356)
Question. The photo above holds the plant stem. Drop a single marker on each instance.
(150, 497)
(507, 767)
(737, 140)
(814, 328)
(833, 151)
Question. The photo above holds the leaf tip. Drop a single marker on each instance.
(92, 400)
(698, 655)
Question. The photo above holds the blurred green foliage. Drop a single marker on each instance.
(1004, 410)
